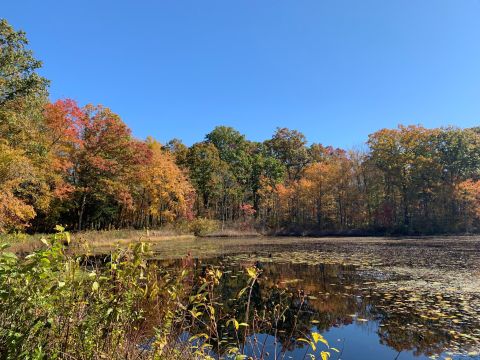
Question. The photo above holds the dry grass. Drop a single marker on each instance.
(95, 241)
(108, 243)
(234, 233)
(104, 241)
(234, 229)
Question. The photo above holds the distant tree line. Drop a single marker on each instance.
(61, 163)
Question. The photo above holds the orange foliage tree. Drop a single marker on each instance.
(165, 193)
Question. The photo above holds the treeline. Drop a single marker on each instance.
(81, 167)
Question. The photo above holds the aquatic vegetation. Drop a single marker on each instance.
(424, 310)
(355, 273)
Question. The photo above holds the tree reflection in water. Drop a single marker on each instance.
(325, 297)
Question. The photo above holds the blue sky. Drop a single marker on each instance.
(336, 70)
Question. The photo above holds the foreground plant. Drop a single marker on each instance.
(54, 305)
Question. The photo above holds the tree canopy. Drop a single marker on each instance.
(80, 166)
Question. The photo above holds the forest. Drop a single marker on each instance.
(80, 166)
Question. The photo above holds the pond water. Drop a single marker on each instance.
(371, 298)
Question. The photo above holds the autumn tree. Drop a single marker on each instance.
(166, 194)
(23, 93)
(99, 161)
(15, 172)
(468, 194)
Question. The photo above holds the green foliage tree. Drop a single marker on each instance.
(17, 66)
(289, 146)
(233, 149)
(179, 151)
(205, 169)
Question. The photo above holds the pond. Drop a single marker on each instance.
(371, 298)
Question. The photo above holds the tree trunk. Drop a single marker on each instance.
(80, 214)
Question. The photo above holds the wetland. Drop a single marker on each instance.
(373, 298)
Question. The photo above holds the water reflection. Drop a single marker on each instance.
(344, 303)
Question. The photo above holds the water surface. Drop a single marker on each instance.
(372, 298)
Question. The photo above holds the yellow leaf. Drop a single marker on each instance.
(318, 337)
(252, 272)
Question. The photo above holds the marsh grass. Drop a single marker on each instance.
(95, 242)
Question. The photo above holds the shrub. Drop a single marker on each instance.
(53, 305)
(202, 226)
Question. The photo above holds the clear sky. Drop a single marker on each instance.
(336, 70)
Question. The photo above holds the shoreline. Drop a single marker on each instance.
(104, 241)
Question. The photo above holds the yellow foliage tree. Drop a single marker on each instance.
(167, 194)
(469, 193)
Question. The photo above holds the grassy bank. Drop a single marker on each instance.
(104, 241)
(95, 241)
